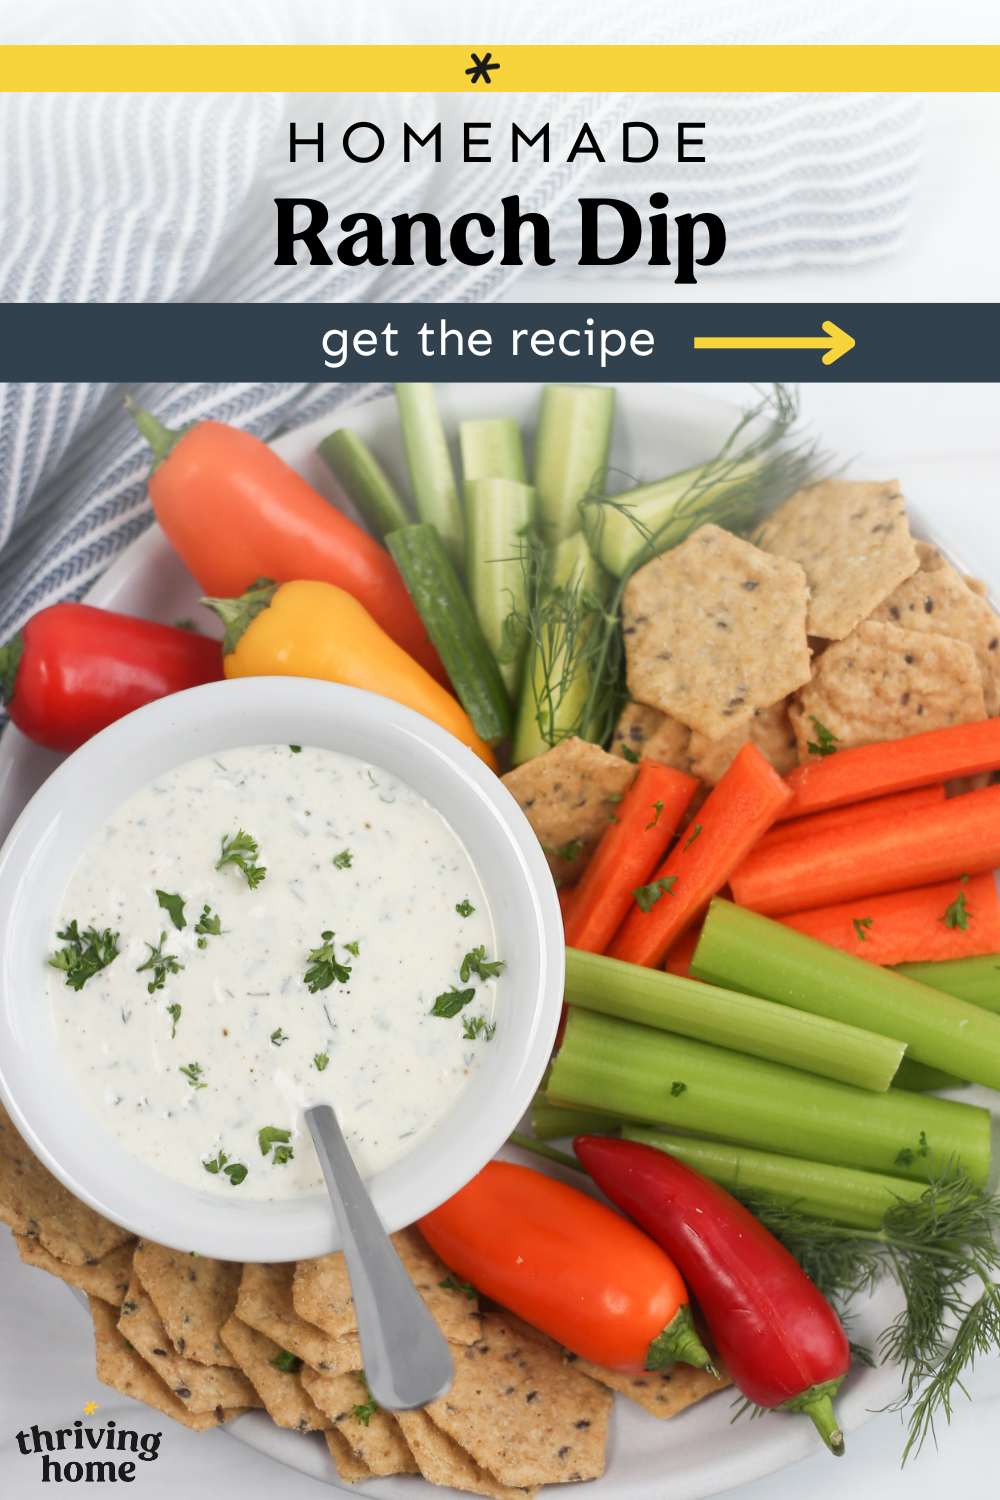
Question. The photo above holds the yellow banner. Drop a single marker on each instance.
(483, 71)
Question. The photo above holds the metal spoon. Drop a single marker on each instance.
(407, 1359)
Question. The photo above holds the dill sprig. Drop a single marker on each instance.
(933, 1248)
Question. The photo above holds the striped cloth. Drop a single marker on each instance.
(131, 198)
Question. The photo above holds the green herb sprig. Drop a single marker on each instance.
(323, 967)
(825, 743)
(161, 964)
(478, 1026)
(236, 1171)
(208, 925)
(273, 1136)
(647, 895)
(242, 851)
(84, 954)
(193, 1074)
(450, 1003)
(476, 962)
(174, 904)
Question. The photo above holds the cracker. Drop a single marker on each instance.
(379, 1441)
(714, 630)
(929, 557)
(127, 1372)
(883, 683)
(662, 1392)
(282, 1392)
(647, 732)
(265, 1303)
(454, 1311)
(566, 796)
(107, 1278)
(977, 586)
(852, 539)
(941, 603)
(321, 1293)
(670, 745)
(194, 1295)
(442, 1461)
(35, 1203)
(771, 731)
(198, 1387)
(350, 1467)
(520, 1411)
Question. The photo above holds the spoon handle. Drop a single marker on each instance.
(407, 1359)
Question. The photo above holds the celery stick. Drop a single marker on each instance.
(491, 449)
(557, 677)
(663, 1079)
(571, 453)
(431, 475)
(617, 532)
(496, 514)
(976, 980)
(739, 949)
(919, 1078)
(363, 477)
(549, 1121)
(741, 1022)
(858, 1199)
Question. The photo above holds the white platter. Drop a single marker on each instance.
(659, 429)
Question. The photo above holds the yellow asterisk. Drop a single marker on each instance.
(90, 1408)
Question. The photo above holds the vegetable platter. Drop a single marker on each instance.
(657, 430)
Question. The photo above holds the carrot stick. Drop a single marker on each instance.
(628, 853)
(950, 920)
(957, 837)
(894, 766)
(731, 820)
(567, 901)
(678, 960)
(854, 812)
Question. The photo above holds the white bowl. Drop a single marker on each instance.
(51, 834)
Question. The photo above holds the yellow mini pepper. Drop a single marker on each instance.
(309, 629)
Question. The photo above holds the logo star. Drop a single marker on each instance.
(483, 68)
(90, 1408)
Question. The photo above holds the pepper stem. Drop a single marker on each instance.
(816, 1402)
(163, 440)
(678, 1341)
(238, 614)
(10, 655)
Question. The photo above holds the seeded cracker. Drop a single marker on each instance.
(714, 630)
(442, 1461)
(566, 796)
(520, 1411)
(199, 1387)
(107, 1278)
(265, 1303)
(350, 1468)
(194, 1295)
(379, 1442)
(282, 1392)
(853, 540)
(33, 1202)
(662, 1392)
(883, 683)
(771, 731)
(127, 1372)
(941, 603)
(454, 1311)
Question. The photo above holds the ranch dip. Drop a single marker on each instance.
(238, 998)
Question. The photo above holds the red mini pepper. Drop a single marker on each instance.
(778, 1337)
(569, 1265)
(74, 669)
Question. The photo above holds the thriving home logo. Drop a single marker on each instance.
(109, 1440)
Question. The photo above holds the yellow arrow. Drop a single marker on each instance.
(836, 343)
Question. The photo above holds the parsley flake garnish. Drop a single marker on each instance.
(476, 1026)
(353, 948)
(648, 895)
(324, 968)
(656, 816)
(193, 1075)
(175, 906)
(277, 1037)
(454, 1285)
(242, 851)
(295, 749)
(320, 1059)
(957, 914)
(272, 1136)
(161, 964)
(450, 1003)
(906, 1157)
(236, 1171)
(630, 755)
(206, 923)
(677, 1088)
(475, 962)
(290, 1364)
(613, 819)
(568, 851)
(465, 909)
(825, 743)
(691, 837)
(174, 1011)
(859, 924)
(84, 956)
(367, 1411)
(342, 861)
